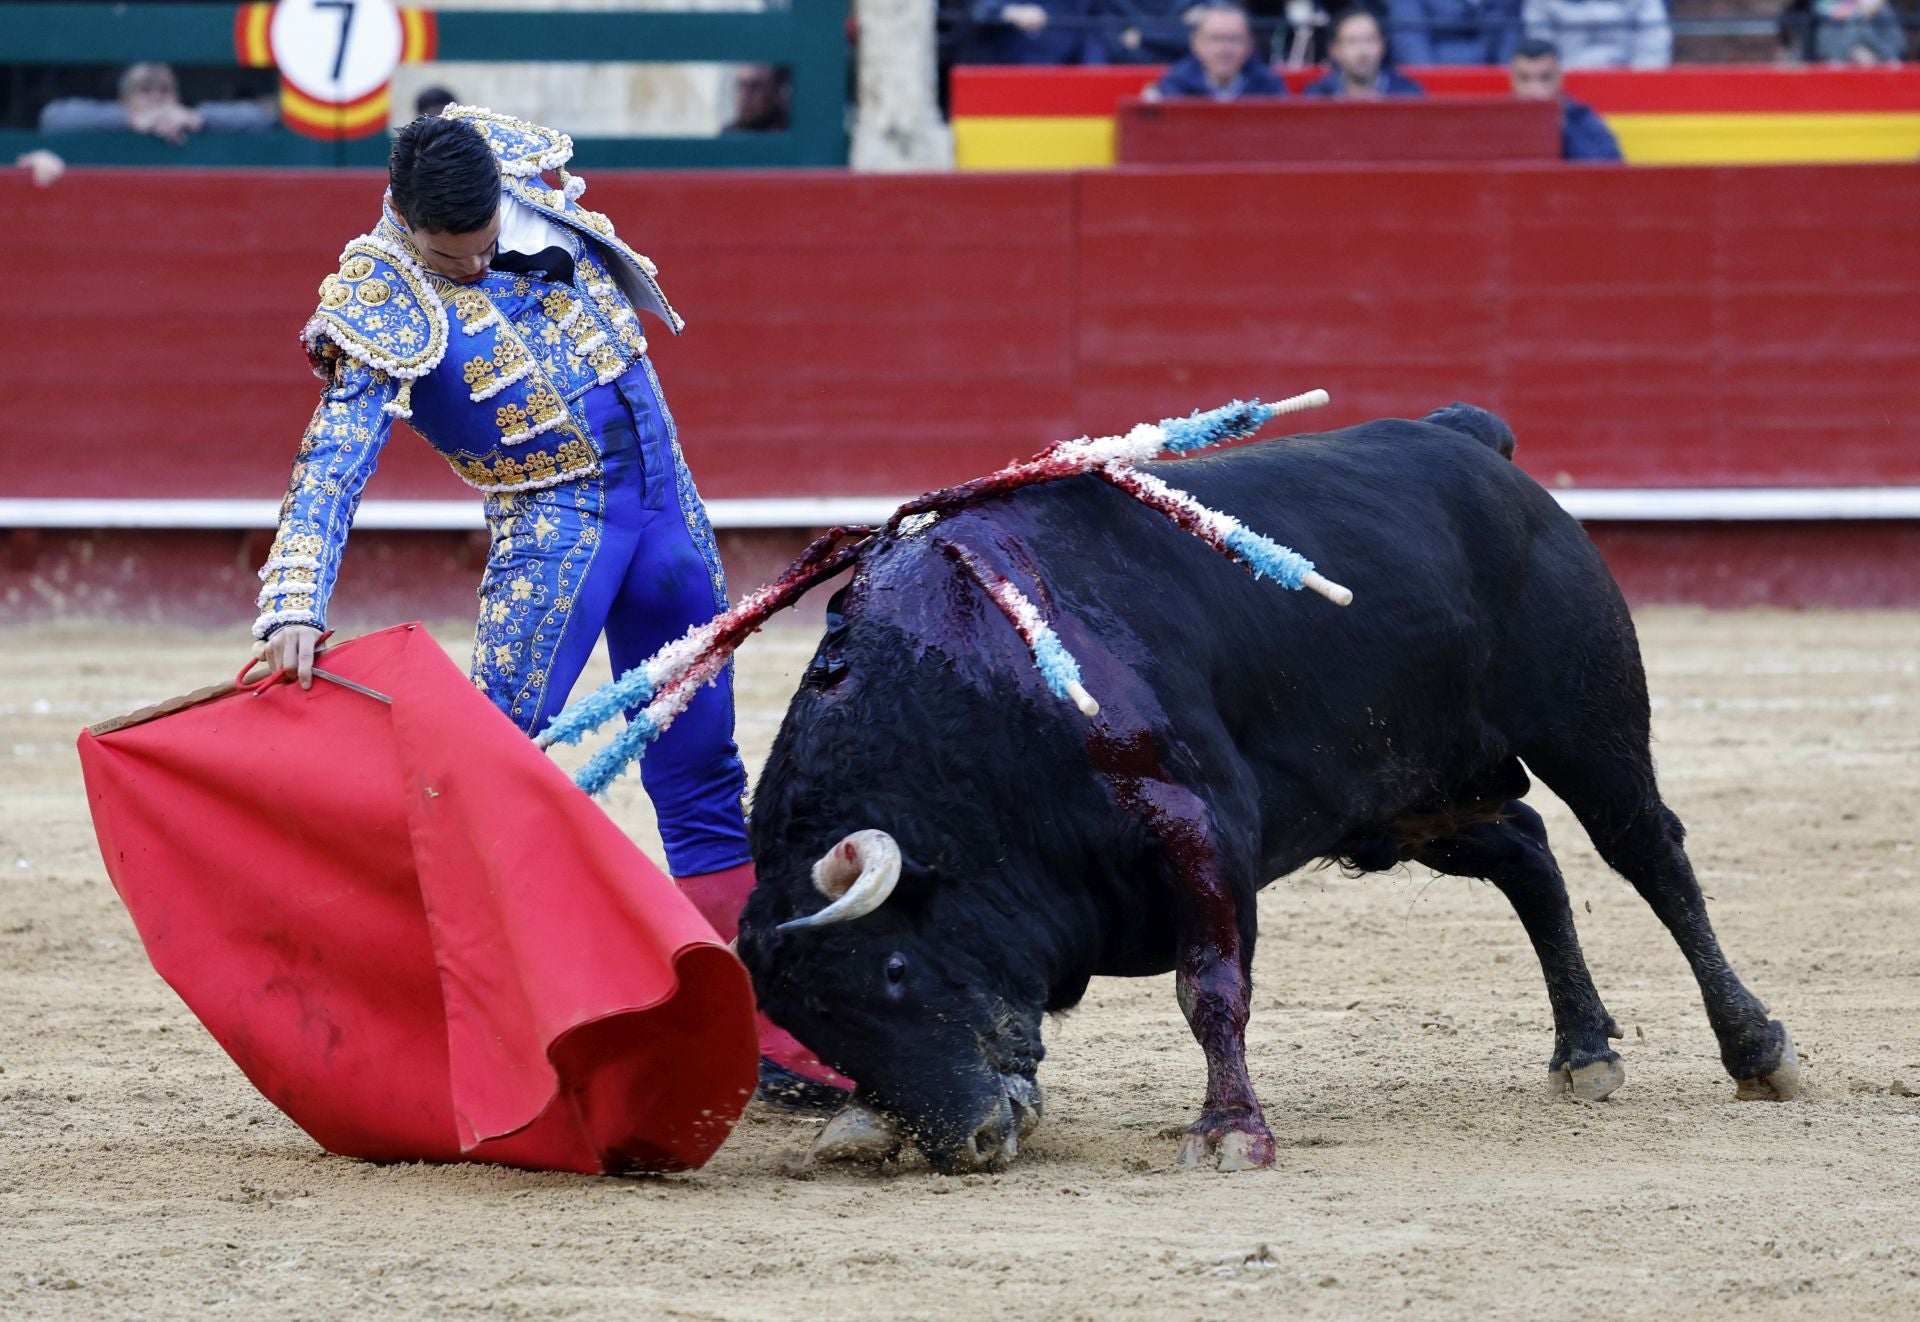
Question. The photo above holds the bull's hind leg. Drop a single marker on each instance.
(1613, 793)
(1513, 854)
(1645, 848)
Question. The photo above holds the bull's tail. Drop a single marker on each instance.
(1487, 428)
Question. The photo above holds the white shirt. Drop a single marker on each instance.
(524, 230)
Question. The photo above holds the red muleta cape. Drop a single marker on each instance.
(412, 931)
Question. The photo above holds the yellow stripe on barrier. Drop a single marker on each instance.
(1774, 139)
(1032, 142)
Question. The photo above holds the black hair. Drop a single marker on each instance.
(444, 176)
(1352, 12)
(433, 100)
(1534, 48)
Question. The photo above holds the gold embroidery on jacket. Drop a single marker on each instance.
(565, 462)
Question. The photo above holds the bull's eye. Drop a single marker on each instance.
(896, 969)
(826, 670)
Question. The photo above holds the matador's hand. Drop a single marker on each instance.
(291, 648)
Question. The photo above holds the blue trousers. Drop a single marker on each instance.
(629, 554)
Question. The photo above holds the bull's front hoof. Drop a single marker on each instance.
(1594, 1081)
(856, 1134)
(1240, 1144)
(1781, 1083)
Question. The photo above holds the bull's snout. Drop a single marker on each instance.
(1024, 1095)
(995, 1141)
(859, 1133)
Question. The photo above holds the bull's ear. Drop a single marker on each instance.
(750, 940)
(920, 884)
(759, 937)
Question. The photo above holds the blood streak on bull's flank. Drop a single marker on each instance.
(1055, 664)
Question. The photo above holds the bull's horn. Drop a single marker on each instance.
(857, 875)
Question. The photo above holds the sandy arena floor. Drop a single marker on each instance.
(1399, 1038)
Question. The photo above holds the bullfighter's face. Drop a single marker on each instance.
(911, 999)
(458, 257)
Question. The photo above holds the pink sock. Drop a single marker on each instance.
(719, 896)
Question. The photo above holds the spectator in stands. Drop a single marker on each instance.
(1308, 27)
(1221, 62)
(1454, 31)
(1358, 54)
(1862, 32)
(1535, 72)
(1603, 34)
(432, 101)
(1795, 33)
(1038, 32)
(762, 99)
(150, 103)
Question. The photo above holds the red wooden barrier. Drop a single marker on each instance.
(879, 335)
(844, 334)
(1404, 130)
(1679, 327)
(855, 334)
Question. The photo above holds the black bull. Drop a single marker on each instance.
(1244, 731)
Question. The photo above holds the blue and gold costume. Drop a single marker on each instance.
(540, 394)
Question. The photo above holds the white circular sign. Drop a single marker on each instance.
(336, 50)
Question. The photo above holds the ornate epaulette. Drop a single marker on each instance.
(380, 309)
(525, 152)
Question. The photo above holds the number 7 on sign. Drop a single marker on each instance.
(335, 52)
(346, 31)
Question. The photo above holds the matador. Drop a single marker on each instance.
(500, 317)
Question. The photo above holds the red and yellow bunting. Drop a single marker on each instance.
(328, 119)
(422, 36)
(250, 44)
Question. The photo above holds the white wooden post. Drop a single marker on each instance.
(899, 125)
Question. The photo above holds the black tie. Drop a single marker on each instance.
(555, 264)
